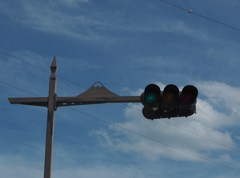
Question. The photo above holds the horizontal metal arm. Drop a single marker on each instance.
(70, 101)
(35, 101)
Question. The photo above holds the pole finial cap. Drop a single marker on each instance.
(54, 64)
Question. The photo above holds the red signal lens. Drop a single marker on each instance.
(189, 95)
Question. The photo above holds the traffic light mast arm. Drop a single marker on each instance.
(96, 94)
(70, 101)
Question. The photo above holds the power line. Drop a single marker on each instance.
(74, 83)
(164, 142)
(205, 138)
(18, 88)
(174, 5)
(216, 21)
(190, 11)
(194, 133)
(39, 68)
(143, 136)
(65, 79)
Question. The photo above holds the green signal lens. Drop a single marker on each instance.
(151, 95)
(150, 98)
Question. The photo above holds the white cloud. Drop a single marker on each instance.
(222, 96)
(190, 138)
(216, 91)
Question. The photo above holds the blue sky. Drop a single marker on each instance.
(126, 45)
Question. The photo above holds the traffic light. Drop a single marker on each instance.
(170, 102)
(188, 100)
(150, 99)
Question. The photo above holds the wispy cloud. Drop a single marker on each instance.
(69, 3)
(85, 25)
(16, 166)
(223, 96)
(51, 19)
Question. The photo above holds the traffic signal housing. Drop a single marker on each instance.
(150, 99)
(188, 100)
(170, 102)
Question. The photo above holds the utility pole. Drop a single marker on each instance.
(97, 94)
(50, 120)
(157, 104)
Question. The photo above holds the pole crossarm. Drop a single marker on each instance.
(37, 101)
(96, 94)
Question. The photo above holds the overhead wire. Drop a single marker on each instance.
(191, 11)
(196, 134)
(18, 88)
(41, 68)
(108, 122)
(74, 83)
(164, 142)
(230, 148)
(215, 21)
(137, 134)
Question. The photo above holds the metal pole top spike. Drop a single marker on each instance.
(54, 64)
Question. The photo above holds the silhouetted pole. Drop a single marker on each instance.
(50, 120)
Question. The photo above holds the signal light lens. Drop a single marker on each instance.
(150, 98)
(170, 94)
(189, 95)
(151, 95)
